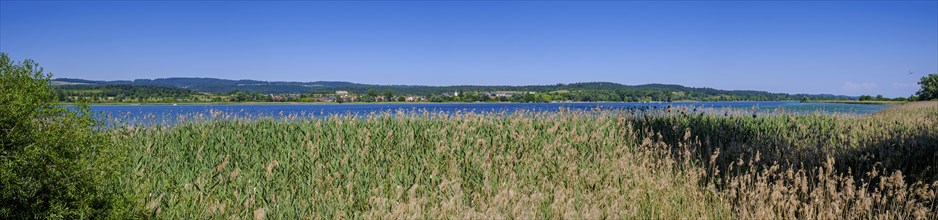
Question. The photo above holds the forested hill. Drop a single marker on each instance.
(586, 91)
(213, 85)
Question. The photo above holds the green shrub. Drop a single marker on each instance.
(49, 156)
(929, 90)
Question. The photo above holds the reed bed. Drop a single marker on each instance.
(663, 163)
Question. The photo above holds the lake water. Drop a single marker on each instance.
(174, 113)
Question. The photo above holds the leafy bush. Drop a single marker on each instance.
(929, 88)
(49, 156)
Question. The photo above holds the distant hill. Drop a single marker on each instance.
(213, 85)
(592, 91)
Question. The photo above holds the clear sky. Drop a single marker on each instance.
(836, 47)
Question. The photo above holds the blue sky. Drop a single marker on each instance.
(836, 47)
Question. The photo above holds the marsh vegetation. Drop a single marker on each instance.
(666, 163)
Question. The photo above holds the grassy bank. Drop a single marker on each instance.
(671, 163)
(861, 102)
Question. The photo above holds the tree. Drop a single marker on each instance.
(52, 162)
(865, 98)
(929, 90)
(388, 94)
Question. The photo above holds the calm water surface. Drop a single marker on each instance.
(174, 113)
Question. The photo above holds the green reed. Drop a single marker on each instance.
(672, 163)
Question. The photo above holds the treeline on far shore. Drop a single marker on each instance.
(866, 98)
(161, 94)
(198, 90)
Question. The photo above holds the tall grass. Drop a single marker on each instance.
(672, 163)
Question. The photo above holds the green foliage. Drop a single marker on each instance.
(50, 158)
(880, 98)
(122, 93)
(929, 90)
(248, 90)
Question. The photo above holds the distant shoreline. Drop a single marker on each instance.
(440, 103)
(859, 102)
